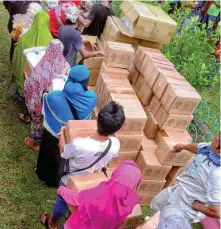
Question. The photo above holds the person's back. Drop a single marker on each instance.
(98, 17)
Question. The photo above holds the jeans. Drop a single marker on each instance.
(60, 207)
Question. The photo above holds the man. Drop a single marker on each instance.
(73, 43)
(95, 21)
(197, 192)
(83, 152)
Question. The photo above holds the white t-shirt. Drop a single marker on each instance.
(82, 152)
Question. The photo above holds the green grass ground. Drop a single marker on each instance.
(22, 196)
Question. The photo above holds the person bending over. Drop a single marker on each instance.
(197, 192)
(96, 20)
(83, 152)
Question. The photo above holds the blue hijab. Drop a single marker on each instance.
(56, 109)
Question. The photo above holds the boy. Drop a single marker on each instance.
(82, 152)
(197, 192)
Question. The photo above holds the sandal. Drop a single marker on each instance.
(23, 118)
(45, 217)
(29, 142)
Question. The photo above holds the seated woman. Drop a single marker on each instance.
(38, 35)
(74, 102)
(38, 82)
(105, 206)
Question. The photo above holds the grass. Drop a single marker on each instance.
(22, 196)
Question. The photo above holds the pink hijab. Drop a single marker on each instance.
(107, 205)
(40, 80)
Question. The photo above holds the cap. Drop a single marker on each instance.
(172, 217)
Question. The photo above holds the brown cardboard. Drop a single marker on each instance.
(169, 183)
(150, 166)
(79, 128)
(174, 172)
(94, 114)
(183, 137)
(146, 142)
(167, 156)
(134, 219)
(93, 76)
(163, 81)
(85, 181)
(105, 69)
(151, 186)
(177, 100)
(27, 68)
(173, 122)
(151, 44)
(118, 55)
(123, 156)
(144, 92)
(129, 142)
(149, 23)
(93, 62)
(154, 105)
(151, 128)
(133, 75)
(145, 198)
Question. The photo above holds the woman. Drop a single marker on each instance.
(105, 206)
(38, 35)
(57, 110)
(60, 15)
(38, 82)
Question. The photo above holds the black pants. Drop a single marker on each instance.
(12, 48)
(49, 160)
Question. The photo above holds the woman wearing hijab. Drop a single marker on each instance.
(57, 110)
(38, 35)
(38, 82)
(15, 7)
(105, 206)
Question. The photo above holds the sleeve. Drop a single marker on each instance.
(69, 196)
(203, 146)
(93, 12)
(213, 187)
(70, 150)
(78, 42)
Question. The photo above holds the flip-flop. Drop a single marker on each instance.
(46, 221)
(22, 118)
(28, 141)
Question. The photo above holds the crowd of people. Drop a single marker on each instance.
(197, 192)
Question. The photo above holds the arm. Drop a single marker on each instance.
(86, 54)
(69, 196)
(190, 147)
(210, 211)
(62, 141)
(83, 21)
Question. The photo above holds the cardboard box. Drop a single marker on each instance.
(169, 183)
(143, 91)
(163, 81)
(85, 181)
(183, 137)
(145, 198)
(140, 54)
(151, 128)
(146, 142)
(150, 166)
(176, 100)
(133, 75)
(126, 5)
(93, 76)
(123, 156)
(166, 155)
(112, 32)
(154, 105)
(134, 219)
(93, 62)
(94, 114)
(129, 142)
(105, 69)
(151, 186)
(118, 55)
(174, 172)
(151, 44)
(79, 128)
(175, 122)
(149, 23)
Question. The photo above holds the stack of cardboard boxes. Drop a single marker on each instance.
(113, 85)
(140, 24)
(169, 101)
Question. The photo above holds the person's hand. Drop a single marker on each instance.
(178, 148)
(195, 204)
(93, 46)
(101, 53)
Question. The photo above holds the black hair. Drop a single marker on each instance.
(218, 147)
(110, 119)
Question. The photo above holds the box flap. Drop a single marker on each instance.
(121, 26)
(89, 38)
(126, 6)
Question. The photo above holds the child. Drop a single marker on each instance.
(197, 192)
(83, 152)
